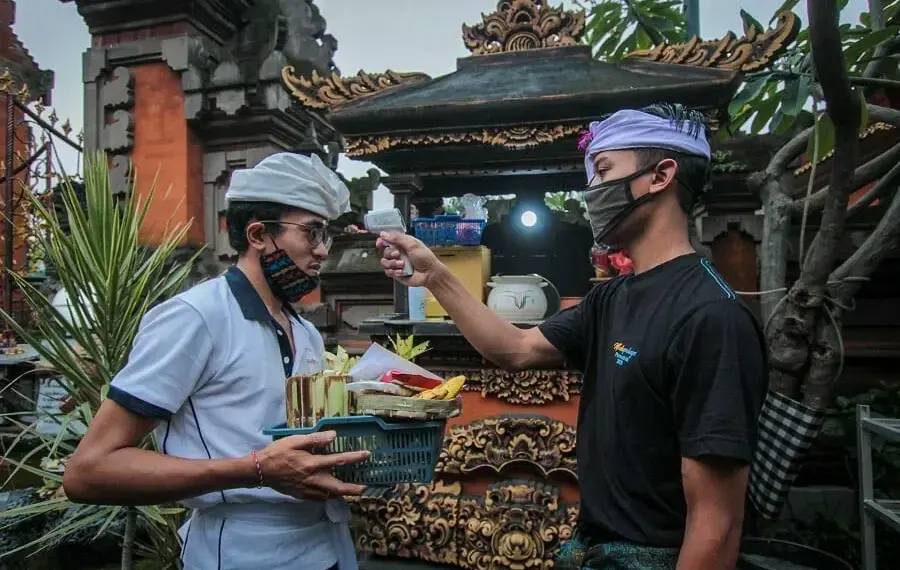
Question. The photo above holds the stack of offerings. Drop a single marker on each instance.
(381, 403)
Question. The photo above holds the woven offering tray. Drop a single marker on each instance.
(399, 407)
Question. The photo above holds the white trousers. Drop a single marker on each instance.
(272, 536)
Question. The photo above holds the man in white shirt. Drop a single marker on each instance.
(207, 373)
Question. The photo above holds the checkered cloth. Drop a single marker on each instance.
(787, 429)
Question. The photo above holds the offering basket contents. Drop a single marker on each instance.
(381, 402)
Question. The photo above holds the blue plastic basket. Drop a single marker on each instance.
(448, 230)
(402, 452)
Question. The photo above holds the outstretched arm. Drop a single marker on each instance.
(502, 343)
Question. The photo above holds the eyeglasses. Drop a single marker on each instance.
(317, 234)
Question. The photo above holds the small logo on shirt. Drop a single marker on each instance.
(623, 353)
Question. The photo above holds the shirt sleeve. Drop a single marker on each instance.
(168, 359)
(567, 331)
(718, 361)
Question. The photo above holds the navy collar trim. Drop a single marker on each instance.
(248, 299)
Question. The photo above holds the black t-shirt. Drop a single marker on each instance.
(674, 366)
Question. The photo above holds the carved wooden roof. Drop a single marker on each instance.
(752, 52)
(522, 25)
(527, 85)
(331, 91)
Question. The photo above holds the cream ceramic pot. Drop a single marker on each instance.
(519, 297)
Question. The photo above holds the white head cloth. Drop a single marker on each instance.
(293, 180)
(629, 129)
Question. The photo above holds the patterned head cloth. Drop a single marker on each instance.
(630, 129)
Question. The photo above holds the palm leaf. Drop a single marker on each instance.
(111, 280)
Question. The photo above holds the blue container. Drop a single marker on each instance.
(402, 451)
(448, 230)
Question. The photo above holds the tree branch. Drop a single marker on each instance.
(843, 109)
(787, 153)
(883, 187)
(866, 258)
(868, 172)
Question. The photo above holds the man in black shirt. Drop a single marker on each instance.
(674, 363)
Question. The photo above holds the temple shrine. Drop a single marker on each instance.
(506, 122)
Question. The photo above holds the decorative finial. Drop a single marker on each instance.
(5, 81)
(23, 94)
(522, 25)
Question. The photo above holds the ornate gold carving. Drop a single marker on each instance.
(409, 521)
(754, 51)
(516, 525)
(501, 441)
(329, 91)
(522, 25)
(530, 387)
(870, 130)
(513, 138)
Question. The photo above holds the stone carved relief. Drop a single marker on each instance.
(754, 51)
(522, 25)
(118, 91)
(118, 135)
(304, 41)
(278, 33)
(117, 97)
(515, 525)
(498, 442)
(529, 387)
(512, 138)
(120, 174)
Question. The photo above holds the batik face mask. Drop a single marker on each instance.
(287, 281)
(608, 204)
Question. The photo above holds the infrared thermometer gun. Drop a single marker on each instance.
(388, 220)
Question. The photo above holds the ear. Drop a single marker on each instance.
(664, 175)
(257, 234)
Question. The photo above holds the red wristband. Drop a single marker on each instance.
(258, 469)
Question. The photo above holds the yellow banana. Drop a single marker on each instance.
(454, 385)
(446, 391)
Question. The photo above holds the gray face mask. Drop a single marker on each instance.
(608, 204)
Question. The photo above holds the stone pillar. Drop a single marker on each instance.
(403, 188)
(191, 90)
(137, 73)
(733, 240)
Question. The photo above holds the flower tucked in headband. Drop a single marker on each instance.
(665, 126)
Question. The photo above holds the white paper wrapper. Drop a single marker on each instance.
(378, 360)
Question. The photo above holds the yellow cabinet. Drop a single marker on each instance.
(470, 264)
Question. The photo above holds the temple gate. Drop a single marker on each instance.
(191, 90)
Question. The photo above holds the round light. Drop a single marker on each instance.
(529, 218)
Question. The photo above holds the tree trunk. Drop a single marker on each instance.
(128, 538)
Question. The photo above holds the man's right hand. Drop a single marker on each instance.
(289, 467)
(424, 263)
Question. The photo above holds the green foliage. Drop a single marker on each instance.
(773, 99)
(111, 280)
(616, 28)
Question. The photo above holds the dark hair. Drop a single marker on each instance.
(240, 214)
(693, 171)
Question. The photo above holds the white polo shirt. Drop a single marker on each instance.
(211, 364)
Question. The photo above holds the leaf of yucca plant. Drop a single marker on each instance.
(111, 280)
